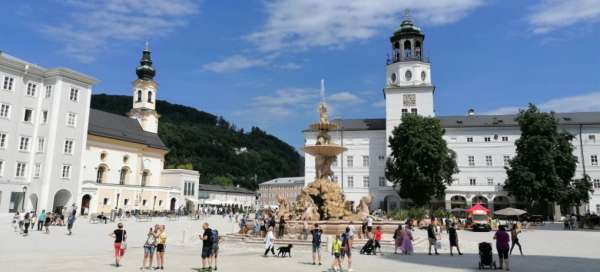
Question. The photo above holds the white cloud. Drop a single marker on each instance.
(346, 98)
(554, 14)
(379, 104)
(234, 64)
(578, 103)
(301, 24)
(91, 26)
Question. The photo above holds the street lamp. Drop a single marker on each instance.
(24, 194)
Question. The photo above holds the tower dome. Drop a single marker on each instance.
(145, 71)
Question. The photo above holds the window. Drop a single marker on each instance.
(37, 170)
(488, 160)
(469, 139)
(27, 115)
(382, 182)
(144, 178)
(506, 160)
(350, 182)
(350, 161)
(3, 140)
(31, 89)
(66, 171)
(404, 112)
(413, 111)
(149, 97)
(40, 146)
(123, 176)
(21, 169)
(24, 143)
(487, 139)
(409, 100)
(139, 96)
(490, 181)
(381, 157)
(597, 208)
(71, 119)
(105, 202)
(5, 111)
(505, 138)
(471, 160)
(472, 181)
(48, 91)
(74, 95)
(8, 83)
(44, 117)
(594, 159)
(366, 181)
(592, 137)
(68, 146)
(1, 168)
(365, 161)
(596, 183)
(125, 159)
(100, 174)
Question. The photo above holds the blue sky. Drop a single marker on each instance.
(260, 62)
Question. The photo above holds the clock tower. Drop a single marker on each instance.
(144, 94)
(408, 88)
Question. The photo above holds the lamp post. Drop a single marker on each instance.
(23, 202)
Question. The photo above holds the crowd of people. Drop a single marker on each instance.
(23, 222)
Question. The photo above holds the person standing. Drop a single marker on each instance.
(270, 242)
(149, 248)
(70, 222)
(377, 235)
(206, 247)
(281, 231)
(514, 236)
(316, 244)
(398, 233)
(21, 221)
(407, 246)
(216, 240)
(120, 236)
(26, 223)
(336, 249)
(369, 227)
(160, 248)
(432, 237)
(305, 230)
(502, 238)
(47, 222)
(347, 247)
(41, 218)
(453, 237)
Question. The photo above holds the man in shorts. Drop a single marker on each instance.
(347, 247)
(206, 247)
(316, 244)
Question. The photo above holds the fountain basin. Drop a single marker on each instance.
(327, 150)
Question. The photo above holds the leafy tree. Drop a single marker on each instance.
(544, 166)
(221, 180)
(421, 164)
(576, 194)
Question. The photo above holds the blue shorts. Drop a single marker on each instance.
(316, 248)
(149, 249)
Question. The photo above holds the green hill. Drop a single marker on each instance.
(213, 146)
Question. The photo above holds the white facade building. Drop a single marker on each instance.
(483, 143)
(43, 127)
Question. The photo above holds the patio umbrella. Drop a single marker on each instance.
(510, 212)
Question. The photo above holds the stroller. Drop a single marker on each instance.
(368, 248)
(486, 259)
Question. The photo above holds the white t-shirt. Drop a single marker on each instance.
(369, 222)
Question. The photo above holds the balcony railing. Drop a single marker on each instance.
(401, 58)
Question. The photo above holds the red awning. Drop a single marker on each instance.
(478, 208)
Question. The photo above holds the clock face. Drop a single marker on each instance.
(423, 75)
(393, 77)
(408, 75)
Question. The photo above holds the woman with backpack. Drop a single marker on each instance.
(149, 248)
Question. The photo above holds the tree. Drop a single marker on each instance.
(222, 180)
(421, 164)
(577, 193)
(544, 166)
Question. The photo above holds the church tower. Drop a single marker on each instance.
(408, 88)
(144, 94)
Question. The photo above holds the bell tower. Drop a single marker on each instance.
(144, 94)
(408, 88)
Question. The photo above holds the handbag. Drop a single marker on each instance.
(123, 245)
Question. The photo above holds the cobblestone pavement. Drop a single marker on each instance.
(90, 249)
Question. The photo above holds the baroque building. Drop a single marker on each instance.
(483, 143)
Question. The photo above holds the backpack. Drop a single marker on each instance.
(214, 237)
(316, 237)
(345, 239)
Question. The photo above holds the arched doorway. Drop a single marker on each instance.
(85, 204)
(458, 201)
(61, 198)
(501, 202)
(33, 200)
(391, 203)
(173, 202)
(481, 200)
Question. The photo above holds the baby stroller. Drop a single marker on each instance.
(486, 259)
(368, 248)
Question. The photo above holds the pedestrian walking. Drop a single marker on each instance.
(216, 240)
(206, 247)
(15, 221)
(432, 237)
(149, 249)
(502, 238)
(369, 227)
(336, 250)
(41, 219)
(48, 222)
(377, 235)
(21, 221)
(316, 233)
(514, 237)
(70, 222)
(120, 236)
(26, 223)
(453, 237)
(160, 248)
(347, 247)
(270, 242)
(398, 233)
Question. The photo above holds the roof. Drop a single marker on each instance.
(226, 189)
(462, 121)
(123, 128)
(288, 180)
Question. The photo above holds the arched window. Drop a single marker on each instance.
(407, 49)
(149, 96)
(417, 49)
(100, 174)
(139, 96)
(144, 178)
(124, 175)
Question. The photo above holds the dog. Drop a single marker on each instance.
(281, 251)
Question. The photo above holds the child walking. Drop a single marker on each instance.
(336, 251)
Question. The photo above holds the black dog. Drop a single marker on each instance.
(281, 251)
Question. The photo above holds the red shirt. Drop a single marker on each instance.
(378, 235)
